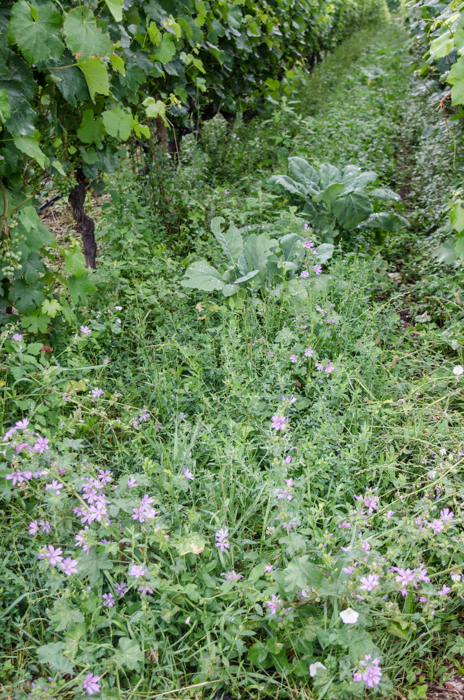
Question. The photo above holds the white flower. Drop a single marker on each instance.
(313, 668)
(455, 577)
(432, 474)
(349, 616)
(443, 452)
(454, 344)
(458, 370)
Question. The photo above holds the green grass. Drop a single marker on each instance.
(385, 424)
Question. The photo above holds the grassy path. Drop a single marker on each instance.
(274, 515)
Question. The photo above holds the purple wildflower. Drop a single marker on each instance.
(53, 555)
(120, 589)
(446, 515)
(188, 474)
(317, 269)
(294, 358)
(144, 589)
(308, 352)
(304, 274)
(96, 392)
(222, 540)
(279, 422)
(437, 526)
(274, 603)
(86, 331)
(55, 486)
(46, 527)
(131, 482)
(41, 445)
(369, 582)
(69, 566)
(22, 424)
(108, 600)
(91, 684)
(308, 244)
(33, 528)
(444, 591)
(232, 576)
(138, 570)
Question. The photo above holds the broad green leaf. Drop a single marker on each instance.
(257, 653)
(351, 209)
(34, 348)
(302, 171)
(30, 146)
(71, 81)
(36, 322)
(80, 287)
(115, 7)
(128, 654)
(257, 250)
(91, 130)
(96, 76)
(328, 175)
(118, 63)
(442, 45)
(63, 615)
(140, 129)
(166, 50)
(36, 29)
(200, 275)
(57, 165)
(291, 247)
(324, 252)
(234, 17)
(229, 289)
(37, 235)
(75, 262)
(330, 192)
(155, 34)
(32, 267)
(155, 108)
(246, 277)
(93, 565)
(5, 110)
(446, 253)
(234, 242)
(384, 193)
(300, 573)
(27, 298)
(51, 307)
(21, 87)
(457, 217)
(118, 123)
(456, 78)
(293, 186)
(51, 654)
(84, 38)
(388, 221)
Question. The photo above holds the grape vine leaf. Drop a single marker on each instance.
(21, 87)
(79, 287)
(36, 31)
(96, 76)
(115, 7)
(5, 110)
(91, 130)
(51, 654)
(118, 123)
(128, 654)
(83, 37)
(118, 64)
(71, 81)
(166, 50)
(456, 79)
(30, 146)
(27, 298)
(32, 267)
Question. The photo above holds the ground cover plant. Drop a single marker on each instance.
(257, 492)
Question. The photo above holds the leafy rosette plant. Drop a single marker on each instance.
(257, 262)
(335, 200)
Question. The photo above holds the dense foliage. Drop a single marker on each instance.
(77, 82)
(258, 493)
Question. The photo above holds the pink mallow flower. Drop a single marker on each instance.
(69, 566)
(91, 684)
(369, 582)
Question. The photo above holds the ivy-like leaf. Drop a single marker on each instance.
(166, 50)
(63, 615)
(83, 37)
(36, 31)
(80, 287)
(128, 654)
(36, 322)
(27, 298)
(51, 654)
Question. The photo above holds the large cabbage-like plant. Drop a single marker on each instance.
(335, 200)
(255, 262)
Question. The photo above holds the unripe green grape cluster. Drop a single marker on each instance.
(64, 185)
(13, 261)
